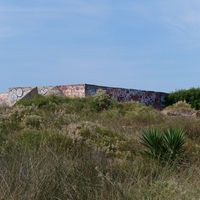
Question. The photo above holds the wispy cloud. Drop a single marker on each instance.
(181, 18)
(181, 13)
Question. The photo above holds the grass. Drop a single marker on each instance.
(61, 148)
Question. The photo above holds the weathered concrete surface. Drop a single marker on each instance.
(3, 99)
(55, 91)
(17, 93)
(155, 99)
(43, 90)
(73, 90)
(30, 94)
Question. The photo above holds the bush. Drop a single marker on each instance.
(191, 96)
(41, 101)
(179, 108)
(101, 101)
(32, 121)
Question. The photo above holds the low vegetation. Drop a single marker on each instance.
(95, 148)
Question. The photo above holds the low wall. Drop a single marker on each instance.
(73, 90)
(149, 98)
(3, 99)
(155, 99)
(17, 93)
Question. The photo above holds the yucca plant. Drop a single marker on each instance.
(173, 140)
(167, 146)
(152, 140)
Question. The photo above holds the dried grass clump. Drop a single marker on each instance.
(179, 108)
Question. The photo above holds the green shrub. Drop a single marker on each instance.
(101, 101)
(41, 100)
(180, 107)
(143, 115)
(32, 121)
(191, 96)
(9, 126)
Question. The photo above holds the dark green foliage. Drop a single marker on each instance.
(9, 126)
(101, 101)
(191, 96)
(152, 140)
(42, 101)
(167, 145)
(173, 140)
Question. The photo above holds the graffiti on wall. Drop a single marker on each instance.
(155, 99)
(26, 93)
(3, 99)
(43, 90)
(15, 94)
(18, 93)
(73, 90)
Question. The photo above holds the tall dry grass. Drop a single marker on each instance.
(67, 149)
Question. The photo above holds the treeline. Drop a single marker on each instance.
(191, 96)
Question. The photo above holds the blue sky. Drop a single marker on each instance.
(149, 45)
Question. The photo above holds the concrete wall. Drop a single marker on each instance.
(73, 90)
(155, 99)
(3, 99)
(17, 93)
(149, 98)
(44, 89)
(30, 94)
(50, 90)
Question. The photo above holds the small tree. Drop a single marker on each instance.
(101, 100)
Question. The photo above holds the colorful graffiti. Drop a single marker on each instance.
(15, 94)
(3, 99)
(18, 93)
(155, 99)
(73, 90)
(43, 90)
(50, 90)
